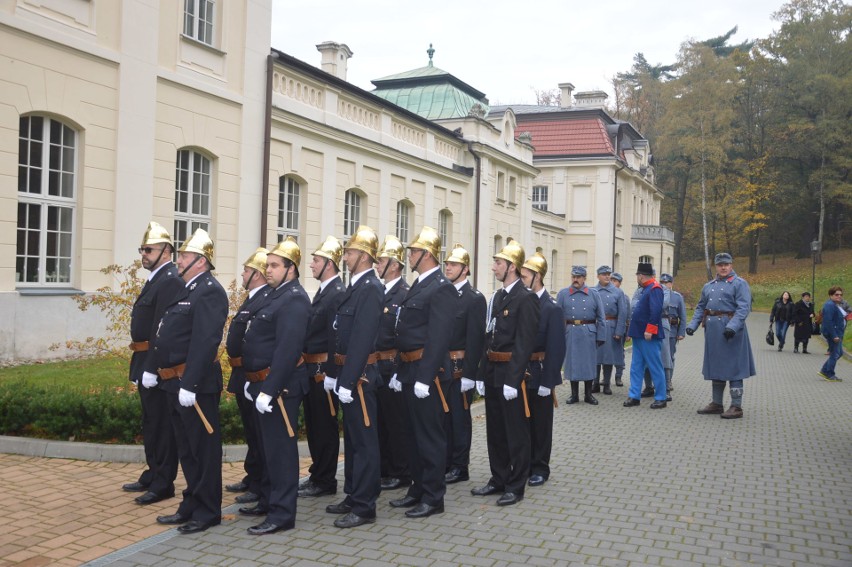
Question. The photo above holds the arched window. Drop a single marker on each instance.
(351, 212)
(192, 194)
(445, 224)
(289, 208)
(47, 188)
(403, 221)
(646, 260)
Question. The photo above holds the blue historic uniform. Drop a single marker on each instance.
(647, 318)
(615, 322)
(583, 312)
(676, 314)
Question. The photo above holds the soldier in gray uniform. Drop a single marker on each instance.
(585, 329)
(616, 321)
(616, 280)
(722, 310)
(676, 314)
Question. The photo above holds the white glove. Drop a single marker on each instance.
(543, 392)
(395, 384)
(480, 388)
(509, 392)
(467, 384)
(329, 384)
(263, 403)
(421, 390)
(149, 379)
(345, 395)
(186, 398)
(245, 392)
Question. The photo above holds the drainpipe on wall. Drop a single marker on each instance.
(267, 144)
(478, 161)
(614, 215)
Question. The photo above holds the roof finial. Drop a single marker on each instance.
(431, 52)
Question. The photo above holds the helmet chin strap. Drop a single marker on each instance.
(387, 265)
(286, 275)
(191, 264)
(455, 279)
(157, 261)
(417, 263)
(251, 277)
(324, 266)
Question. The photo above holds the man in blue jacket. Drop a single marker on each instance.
(647, 333)
(833, 327)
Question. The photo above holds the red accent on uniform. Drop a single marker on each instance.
(653, 329)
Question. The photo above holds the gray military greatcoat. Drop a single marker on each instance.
(582, 304)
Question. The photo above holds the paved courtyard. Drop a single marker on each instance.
(629, 486)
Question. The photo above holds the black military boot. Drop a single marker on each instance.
(589, 398)
(596, 383)
(607, 378)
(575, 393)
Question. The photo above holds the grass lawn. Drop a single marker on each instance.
(83, 373)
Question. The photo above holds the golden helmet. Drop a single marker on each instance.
(331, 249)
(156, 234)
(429, 241)
(200, 243)
(537, 263)
(289, 249)
(392, 248)
(257, 261)
(366, 240)
(514, 253)
(459, 255)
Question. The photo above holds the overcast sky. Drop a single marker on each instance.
(506, 49)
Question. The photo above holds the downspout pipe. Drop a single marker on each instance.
(615, 212)
(267, 144)
(478, 192)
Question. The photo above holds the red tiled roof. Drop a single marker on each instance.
(585, 136)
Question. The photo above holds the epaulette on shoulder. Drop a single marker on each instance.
(552, 300)
(477, 292)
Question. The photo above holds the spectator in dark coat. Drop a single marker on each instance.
(782, 316)
(803, 319)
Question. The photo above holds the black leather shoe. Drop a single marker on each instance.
(456, 474)
(424, 510)
(352, 520)
(572, 400)
(172, 519)
(486, 490)
(607, 391)
(618, 382)
(536, 480)
(659, 404)
(135, 487)
(339, 508)
(313, 490)
(151, 497)
(631, 402)
(194, 526)
(668, 397)
(648, 393)
(264, 528)
(590, 399)
(237, 487)
(392, 483)
(247, 498)
(405, 502)
(256, 510)
(509, 498)
(596, 388)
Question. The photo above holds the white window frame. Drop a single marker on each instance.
(56, 180)
(197, 185)
(444, 231)
(289, 208)
(199, 20)
(403, 221)
(540, 197)
(352, 203)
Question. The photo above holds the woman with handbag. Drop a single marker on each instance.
(803, 319)
(782, 316)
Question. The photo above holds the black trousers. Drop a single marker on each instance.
(361, 467)
(508, 431)
(427, 445)
(323, 433)
(459, 426)
(393, 432)
(200, 455)
(280, 456)
(252, 464)
(159, 440)
(541, 432)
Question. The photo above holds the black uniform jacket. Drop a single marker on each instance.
(321, 336)
(550, 340)
(425, 321)
(190, 333)
(515, 331)
(147, 311)
(357, 325)
(469, 329)
(274, 340)
(387, 327)
(236, 334)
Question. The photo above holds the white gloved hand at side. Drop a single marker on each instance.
(509, 392)
(467, 384)
(421, 390)
(263, 403)
(245, 392)
(329, 384)
(480, 388)
(345, 395)
(186, 398)
(395, 384)
(149, 379)
(543, 392)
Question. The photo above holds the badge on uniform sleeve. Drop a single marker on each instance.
(505, 313)
(192, 286)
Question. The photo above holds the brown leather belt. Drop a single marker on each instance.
(171, 373)
(411, 356)
(140, 346)
(235, 362)
(258, 376)
(711, 313)
(674, 320)
(611, 318)
(456, 354)
(537, 357)
(386, 354)
(316, 358)
(497, 356)
(580, 321)
(340, 359)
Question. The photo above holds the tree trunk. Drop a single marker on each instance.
(754, 253)
(704, 218)
(680, 218)
(821, 206)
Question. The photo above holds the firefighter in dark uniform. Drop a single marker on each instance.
(254, 282)
(425, 317)
(465, 357)
(277, 381)
(513, 325)
(186, 357)
(320, 407)
(544, 370)
(158, 480)
(357, 325)
(393, 425)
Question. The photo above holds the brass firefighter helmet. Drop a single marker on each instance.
(289, 249)
(459, 255)
(392, 248)
(156, 234)
(331, 249)
(257, 261)
(429, 241)
(366, 240)
(514, 253)
(537, 263)
(200, 243)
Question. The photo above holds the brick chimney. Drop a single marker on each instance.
(565, 97)
(334, 58)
